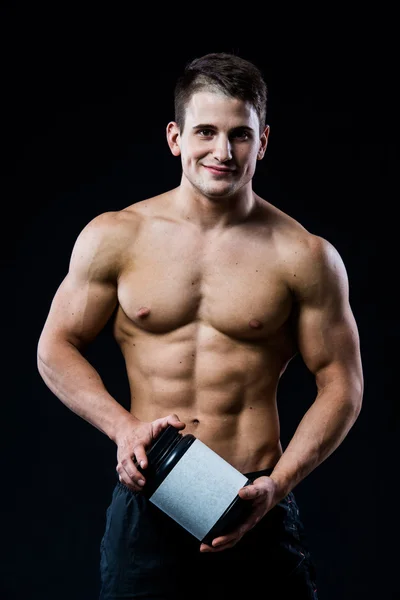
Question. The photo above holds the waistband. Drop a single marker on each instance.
(254, 474)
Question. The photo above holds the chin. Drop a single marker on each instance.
(217, 192)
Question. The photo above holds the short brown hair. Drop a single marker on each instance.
(228, 73)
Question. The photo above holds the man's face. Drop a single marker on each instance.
(220, 143)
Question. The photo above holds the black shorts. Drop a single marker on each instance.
(145, 554)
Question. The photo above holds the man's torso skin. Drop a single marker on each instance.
(205, 323)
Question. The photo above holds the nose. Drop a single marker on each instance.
(222, 149)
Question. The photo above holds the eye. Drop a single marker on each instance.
(205, 132)
(241, 134)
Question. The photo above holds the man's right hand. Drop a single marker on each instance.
(133, 439)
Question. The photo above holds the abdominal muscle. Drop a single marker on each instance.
(224, 390)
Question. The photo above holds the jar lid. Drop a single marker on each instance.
(164, 453)
(162, 445)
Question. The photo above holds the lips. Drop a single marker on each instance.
(218, 170)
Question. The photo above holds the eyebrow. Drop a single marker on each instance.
(210, 126)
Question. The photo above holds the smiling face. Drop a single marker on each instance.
(219, 145)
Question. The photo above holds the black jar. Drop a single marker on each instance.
(193, 485)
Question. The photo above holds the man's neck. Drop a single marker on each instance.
(213, 213)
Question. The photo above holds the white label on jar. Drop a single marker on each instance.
(199, 489)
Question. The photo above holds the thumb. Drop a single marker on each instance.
(174, 420)
(249, 492)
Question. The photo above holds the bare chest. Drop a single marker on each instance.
(235, 288)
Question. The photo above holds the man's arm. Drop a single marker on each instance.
(81, 307)
(328, 341)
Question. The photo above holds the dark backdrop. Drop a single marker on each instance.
(85, 105)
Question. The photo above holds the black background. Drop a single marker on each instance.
(86, 97)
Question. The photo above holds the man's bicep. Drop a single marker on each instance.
(87, 296)
(327, 332)
(80, 310)
(328, 342)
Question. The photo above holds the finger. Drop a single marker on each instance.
(228, 540)
(208, 548)
(220, 541)
(123, 478)
(224, 541)
(130, 483)
(139, 457)
(131, 474)
(174, 420)
(128, 480)
(219, 547)
(249, 492)
(160, 424)
(205, 548)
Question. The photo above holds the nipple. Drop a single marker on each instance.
(255, 324)
(143, 312)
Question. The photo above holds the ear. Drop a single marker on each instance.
(263, 143)
(173, 138)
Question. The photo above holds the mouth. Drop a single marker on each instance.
(218, 170)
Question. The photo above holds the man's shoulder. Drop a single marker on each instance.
(290, 234)
(312, 260)
(287, 233)
(105, 237)
(147, 208)
(305, 248)
(126, 220)
(111, 232)
(302, 251)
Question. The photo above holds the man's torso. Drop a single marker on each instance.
(205, 324)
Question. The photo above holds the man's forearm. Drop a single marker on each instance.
(79, 386)
(319, 433)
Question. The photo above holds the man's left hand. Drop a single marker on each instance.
(263, 494)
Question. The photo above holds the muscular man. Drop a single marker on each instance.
(213, 291)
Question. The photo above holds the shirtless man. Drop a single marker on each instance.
(213, 291)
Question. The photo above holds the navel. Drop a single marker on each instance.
(255, 324)
(143, 312)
